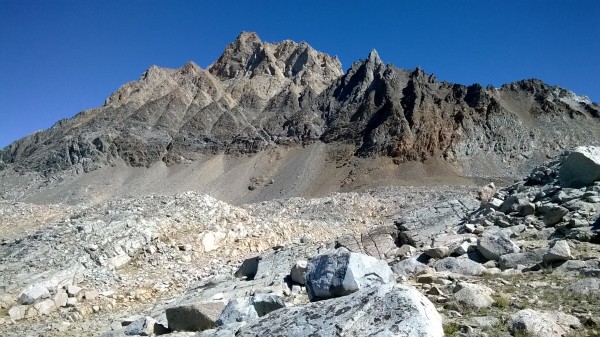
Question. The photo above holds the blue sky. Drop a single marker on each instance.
(59, 57)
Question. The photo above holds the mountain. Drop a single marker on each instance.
(259, 96)
(273, 194)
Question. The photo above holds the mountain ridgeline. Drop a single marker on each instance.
(259, 95)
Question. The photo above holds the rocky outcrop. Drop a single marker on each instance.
(390, 310)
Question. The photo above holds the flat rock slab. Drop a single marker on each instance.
(389, 310)
(419, 226)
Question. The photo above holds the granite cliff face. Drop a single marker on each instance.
(259, 95)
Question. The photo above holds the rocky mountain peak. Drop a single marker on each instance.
(248, 56)
(374, 58)
(260, 94)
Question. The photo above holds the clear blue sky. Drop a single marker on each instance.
(59, 57)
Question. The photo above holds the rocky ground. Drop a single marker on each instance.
(523, 260)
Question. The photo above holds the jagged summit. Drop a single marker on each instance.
(249, 56)
(374, 58)
(258, 95)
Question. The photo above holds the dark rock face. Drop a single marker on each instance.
(258, 95)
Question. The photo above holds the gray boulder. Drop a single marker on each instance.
(587, 286)
(558, 251)
(388, 310)
(45, 307)
(493, 247)
(473, 295)
(534, 323)
(17, 312)
(194, 316)
(410, 267)
(341, 273)
(518, 204)
(32, 293)
(248, 308)
(514, 260)
(459, 266)
(581, 168)
(298, 270)
(553, 214)
(237, 310)
(145, 326)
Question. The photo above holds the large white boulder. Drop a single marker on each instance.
(529, 322)
(387, 310)
(341, 273)
(581, 168)
(32, 293)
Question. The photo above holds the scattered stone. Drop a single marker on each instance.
(553, 214)
(145, 326)
(581, 168)
(17, 312)
(487, 192)
(60, 299)
(493, 247)
(438, 252)
(410, 267)
(71, 302)
(406, 251)
(542, 324)
(341, 273)
(558, 251)
(298, 270)
(72, 290)
(473, 295)
(32, 293)
(514, 260)
(194, 316)
(45, 307)
(587, 286)
(248, 308)
(459, 266)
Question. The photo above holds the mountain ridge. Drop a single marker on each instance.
(258, 95)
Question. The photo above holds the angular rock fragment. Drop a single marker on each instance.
(587, 286)
(194, 316)
(247, 308)
(558, 251)
(581, 168)
(459, 266)
(45, 307)
(298, 270)
(32, 293)
(473, 295)
(145, 326)
(524, 259)
(18, 312)
(341, 273)
(410, 267)
(493, 247)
